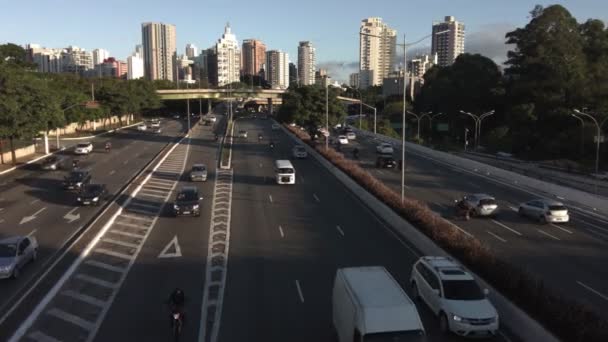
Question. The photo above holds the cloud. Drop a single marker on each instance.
(339, 70)
(490, 41)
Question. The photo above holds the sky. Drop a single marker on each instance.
(332, 25)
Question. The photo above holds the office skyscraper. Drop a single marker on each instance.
(158, 42)
(377, 50)
(306, 63)
(253, 56)
(228, 58)
(277, 69)
(447, 45)
(191, 51)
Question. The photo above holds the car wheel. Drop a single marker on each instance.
(444, 325)
(415, 292)
(542, 219)
(520, 211)
(35, 255)
(16, 273)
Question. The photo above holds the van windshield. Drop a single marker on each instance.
(396, 336)
(286, 170)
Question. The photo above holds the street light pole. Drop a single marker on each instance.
(370, 107)
(477, 120)
(327, 116)
(598, 125)
(418, 118)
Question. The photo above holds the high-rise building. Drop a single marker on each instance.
(450, 44)
(46, 60)
(228, 58)
(100, 55)
(111, 67)
(135, 66)
(212, 64)
(306, 63)
(377, 51)
(418, 66)
(277, 69)
(293, 74)
(353, 80)
(191, 51)
(76, 60)
(158, 42)
(253, 57)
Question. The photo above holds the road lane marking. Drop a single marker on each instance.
(96, 281)
(299, 291)
(462, 230)
(104, 266)
(270, 198)
(260, 165)
(125, 162)
(35, 201)
(84, 298)
(496, 236)
(120, 243)
(39, 336)
(549, 235)
(173, 244)
(512, 208)
(140, 218)
(340, 230)
(1, 220)
(68, 317)
(26, 219)
(142, 205)
(114, 254)
(504, 226)
(32, 232)
(144, 193)
(562, 228)
(592, 290)
(112, 172)
(380, 172)
(316, 198)
(281, 232)
(592, 225)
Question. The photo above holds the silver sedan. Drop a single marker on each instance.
(15, 253)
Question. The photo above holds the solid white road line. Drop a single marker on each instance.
(562, 228)
(84, 298)
(125, 162)
(270, 198)
(68, 317)
(149, 189)
(496, 236)
(281, 231)
(511, 229)
(299, 291)
(316, 198)
(144, 193)
(340, 230)
(35, 201)
(549, 235)
(112, 172)
(131, 225)
(512, 208)
(592, 290)
(140, 218)
(32, 232)
(462, 230)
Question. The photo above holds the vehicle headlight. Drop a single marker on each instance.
(95, 199)
(195, 206)
(6, 268)
(457, 318)
(79, 199)
(176, 207)
(79, 183)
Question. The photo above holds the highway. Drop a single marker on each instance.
(571, 258)
(288, 241)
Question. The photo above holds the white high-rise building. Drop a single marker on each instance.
(277, 69)
(46, 60)
(159, 51)
(306, 63)
(191, 51)
(135, 66)
(377, 51)
(228, 58)
(100, 55)
(76, 60)
(448, 45)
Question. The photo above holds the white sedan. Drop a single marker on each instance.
(84, 148)
(342, 140)
(384, 148)
(142, 127)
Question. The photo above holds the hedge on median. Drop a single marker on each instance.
(566, 319)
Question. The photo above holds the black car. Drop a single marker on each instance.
(92, 194)
(54, 163)
(187, 202)
(386, 162)
(76, 180)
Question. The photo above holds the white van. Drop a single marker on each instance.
(369, 305)
(285, 172)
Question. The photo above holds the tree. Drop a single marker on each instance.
(14, 54)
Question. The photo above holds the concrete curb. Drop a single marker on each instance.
(517, 320)
(68, 139)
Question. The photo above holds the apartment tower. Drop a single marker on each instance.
(228, 58)
(158, 42)
(447, 45)
(306, 63)
(277, 69)
(377, 51)
(253, 57)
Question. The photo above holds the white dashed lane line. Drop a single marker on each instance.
(592, 290)
(270, 198)
(316, 198)
(299, 288)
(562, 228)
(340, 230)
(505, 227)
(549, 235)
(496, 236)
(281, 232)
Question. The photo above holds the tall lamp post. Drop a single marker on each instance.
(370, 107)
(478, 119)
(598, 125)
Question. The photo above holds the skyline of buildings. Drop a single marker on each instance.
(377, 51)
(159, 50)
(306, 63)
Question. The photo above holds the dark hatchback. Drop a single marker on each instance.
(53, 163)
(187, 202)
(386, 162)
(92, 194)
(76, 180)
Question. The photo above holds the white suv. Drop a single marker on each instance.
(83, 148)
(453, 295)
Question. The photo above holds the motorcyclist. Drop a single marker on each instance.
(75, 163)
(463, 209)
(108, 146)
(177, 299)
(215, 137)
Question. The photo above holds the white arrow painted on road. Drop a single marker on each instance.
(70, 215)
(173, 245)
(27, 219)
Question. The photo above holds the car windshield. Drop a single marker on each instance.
(8, 250)
(285, 170)
(83, 145)
(299, 148)
(93, 188)
(396, 336)
(462, 290)
(487, 201)
(557, 207)
(187, 196)
(198, 168)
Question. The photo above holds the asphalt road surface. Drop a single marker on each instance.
(571, 257)
(287, 242)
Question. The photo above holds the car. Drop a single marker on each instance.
(53, 163)
(601, 175)
(386, 162)
(157, 130)
(481, 204)
(351, 135)
(155, 124)
(452, 294)
(243, 134)
(545, 211)
(198, 173)
(275, 127)
(76, 180)
(384, 148)
(176, 116)
(142, 127)
(342, 140)
(15, 253)
(299, 152)
(187, 202)
(83, 148)
(212, 118)
(92, 194)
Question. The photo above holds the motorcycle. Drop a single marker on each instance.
(176, 324)
(462, 210)
(108, 147)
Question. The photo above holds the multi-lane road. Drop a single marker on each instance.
(571, 257)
